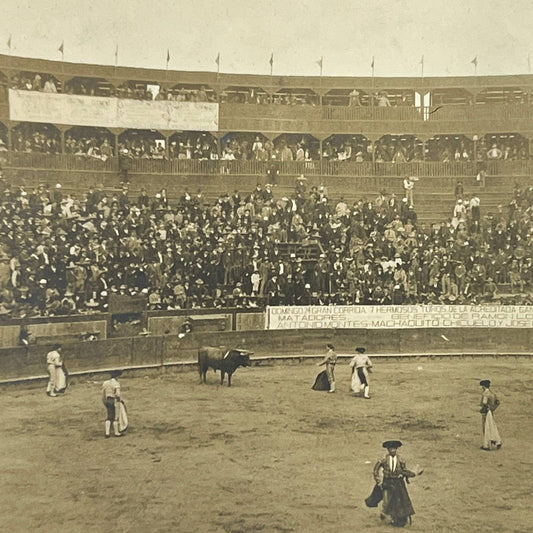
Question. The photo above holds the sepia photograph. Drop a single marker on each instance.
(266, 267)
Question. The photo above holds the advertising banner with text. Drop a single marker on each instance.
(52, 108)
(399, 316)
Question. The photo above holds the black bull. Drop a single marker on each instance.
(227, 361)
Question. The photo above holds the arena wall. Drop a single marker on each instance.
(156, 351)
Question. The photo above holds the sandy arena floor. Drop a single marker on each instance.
(269, 454)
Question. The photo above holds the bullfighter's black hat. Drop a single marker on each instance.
(485, 383)
(115, 373)
(360, 350)
(392, 444)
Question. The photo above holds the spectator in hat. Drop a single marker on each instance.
(459, 190)
(124, 165)
(489, 404)
(354, 98)
(390, 474)
(408, 188)
(361, 367)
(111, 399)
(185, 328)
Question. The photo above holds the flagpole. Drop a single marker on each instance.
(321, 66)
(474, 62)
(62, 50)
(116, 59)
(422, 66)
(9, 46)
(271, 76)
(528, 63)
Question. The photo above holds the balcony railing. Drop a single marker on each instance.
(68, 162)
(435, 113)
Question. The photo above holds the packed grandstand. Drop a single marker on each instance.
(96, 197)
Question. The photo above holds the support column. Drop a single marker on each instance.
(424, 139)
(321, 156)
(9, 135)
(116, 132)
(62, 140)
(167, 134)
(373, 138)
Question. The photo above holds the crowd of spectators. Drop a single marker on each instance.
(356, 97)
(63, 254)
(193, 145)
(492, 147)
(147, 145)
(247, 146)
(98, 143)
(40, 138)
(398, 149)
(33, 81)
(347, 148)
(450, 148)
(503, 147)
(90, 143)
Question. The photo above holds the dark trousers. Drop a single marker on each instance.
(110, 406)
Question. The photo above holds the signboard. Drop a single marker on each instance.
(77, 110)
(123, 303)
(399, 316)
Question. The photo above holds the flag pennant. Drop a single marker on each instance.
(372, 64)
(9, 42)
(422, 60)
(320, 62)
(168, 55)
(271, 59)
(474, 61)
(217, 60)
(61, 47)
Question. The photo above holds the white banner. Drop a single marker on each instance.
(399, 316)
(52, 108)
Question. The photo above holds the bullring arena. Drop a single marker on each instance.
(146, 213)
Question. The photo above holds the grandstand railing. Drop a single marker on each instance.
(372, 113)
(434, 113)
(206, 167)
(276, 111)
(269, 116)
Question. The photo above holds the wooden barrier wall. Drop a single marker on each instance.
(155, 350)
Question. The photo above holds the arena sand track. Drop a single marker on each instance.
(269, 454)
